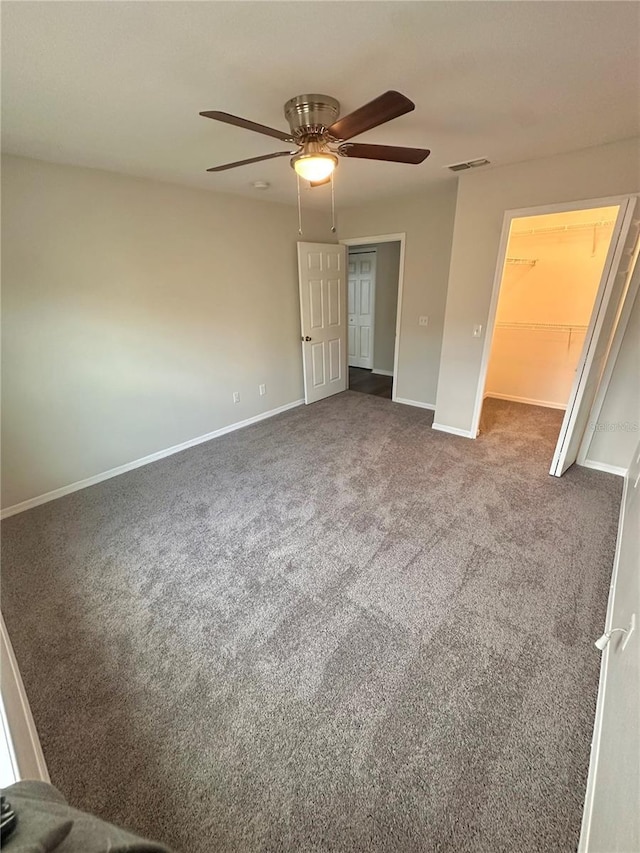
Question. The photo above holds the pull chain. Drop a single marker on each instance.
(333, 206)
(299, 207)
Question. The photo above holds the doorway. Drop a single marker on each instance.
(361, 306)
(556, 305)
(374, 292)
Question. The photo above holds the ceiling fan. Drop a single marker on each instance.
(321, 136)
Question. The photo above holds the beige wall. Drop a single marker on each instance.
(132, 311)
(529, 361)
(561, 287)
(427, 220)
(483, 197)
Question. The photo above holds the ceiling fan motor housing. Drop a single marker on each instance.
(311, 115)
(321, 136)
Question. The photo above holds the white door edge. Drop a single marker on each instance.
(615, 593)
(597, 725)
(20, 750)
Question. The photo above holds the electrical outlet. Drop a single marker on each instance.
(262, 389)
(236, 396)
(477, 330)
(423, 321)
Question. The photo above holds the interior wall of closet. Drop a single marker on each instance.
(551, 276)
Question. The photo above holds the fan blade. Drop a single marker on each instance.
(251, 160)
(381, 109)
(392, 153)
(248, 125)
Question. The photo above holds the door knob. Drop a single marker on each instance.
(305, 338)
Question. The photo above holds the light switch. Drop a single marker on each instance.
(423, 321)
(477, 330)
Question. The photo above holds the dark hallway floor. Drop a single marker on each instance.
(367, 382)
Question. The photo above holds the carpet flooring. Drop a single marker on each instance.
(335, 630)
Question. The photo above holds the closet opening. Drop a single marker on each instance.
(550, 292)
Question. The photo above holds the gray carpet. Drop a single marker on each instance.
(336, 630)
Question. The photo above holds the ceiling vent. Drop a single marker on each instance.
(469, 164)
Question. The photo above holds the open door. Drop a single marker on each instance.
(611, 819)
(608, 305)
(323, 310)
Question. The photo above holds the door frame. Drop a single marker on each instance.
(509, 216)
(388, 238)
(592, 365)
(612, 357)
(372, 342)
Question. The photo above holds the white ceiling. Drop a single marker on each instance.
(119, 85)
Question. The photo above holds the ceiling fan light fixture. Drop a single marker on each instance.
(315, 128)
(316, 166)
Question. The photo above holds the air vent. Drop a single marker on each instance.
(469, 164)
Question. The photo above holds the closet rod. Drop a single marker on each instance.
(601, 223)
(544, 327)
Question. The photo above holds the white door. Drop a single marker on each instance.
(321, 272)
(608, 304)
(611, 819)
(361, 308)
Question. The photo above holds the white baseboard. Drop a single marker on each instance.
(382, 372)
(465, 433)
(547, 404)
(145, 460)
(603, 466)
(417, 403)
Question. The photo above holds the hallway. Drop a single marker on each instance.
(367, 382)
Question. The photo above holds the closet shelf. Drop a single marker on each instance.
(544, 327)
(557, 229)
